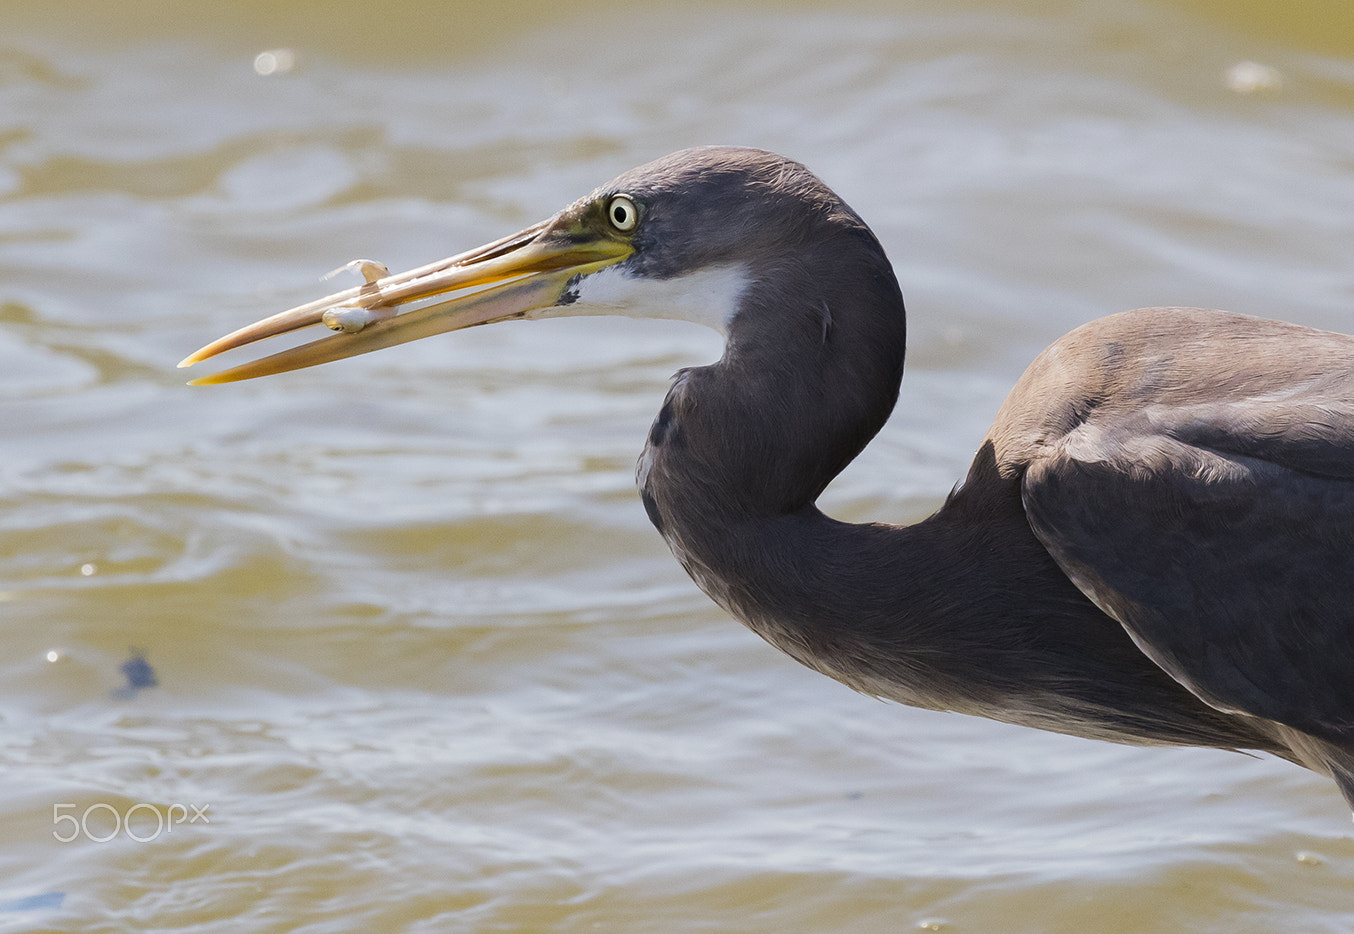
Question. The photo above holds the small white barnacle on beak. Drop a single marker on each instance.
(353, 319)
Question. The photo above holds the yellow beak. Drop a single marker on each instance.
(517, 277)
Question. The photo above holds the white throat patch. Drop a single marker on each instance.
(708, 296)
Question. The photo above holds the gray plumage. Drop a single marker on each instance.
(1154, 544)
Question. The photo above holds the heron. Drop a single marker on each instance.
(1154, 543)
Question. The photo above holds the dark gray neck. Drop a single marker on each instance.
(965, 611)
(741, 450)
(932, 615)
(810, 373)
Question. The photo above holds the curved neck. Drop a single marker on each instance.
(741, 449)
(930, 615)
(965, 611)
(810, 373)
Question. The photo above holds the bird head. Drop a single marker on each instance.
(686, 236)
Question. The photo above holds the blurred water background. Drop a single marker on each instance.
(390, 645)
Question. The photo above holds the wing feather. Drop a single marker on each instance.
(1221, 536)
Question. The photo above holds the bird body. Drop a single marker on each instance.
(1155, 541)
(1192, 472)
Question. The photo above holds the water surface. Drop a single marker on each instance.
(421, 664)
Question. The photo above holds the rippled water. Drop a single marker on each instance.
(419, 661)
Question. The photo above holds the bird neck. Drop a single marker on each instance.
(892, 611)
(963, 611)
(929, 614)
(741, 449)
(810, 373)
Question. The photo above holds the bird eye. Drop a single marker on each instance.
(622, 213)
